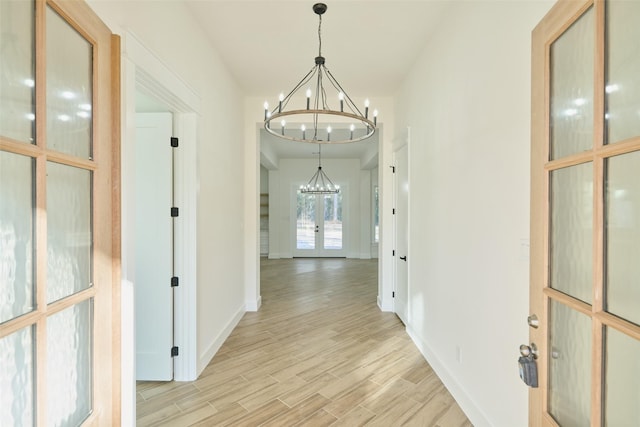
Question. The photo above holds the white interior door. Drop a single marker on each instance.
(401, 218)
(154, 247)
(319, 225)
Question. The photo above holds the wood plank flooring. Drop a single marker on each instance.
(318, 353)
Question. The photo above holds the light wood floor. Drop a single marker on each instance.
(318, 353)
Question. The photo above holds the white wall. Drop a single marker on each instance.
(291, 174)
(467, 101)
(220, 182)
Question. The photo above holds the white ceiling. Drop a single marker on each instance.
(269, 45)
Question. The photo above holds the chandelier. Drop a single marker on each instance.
(320, 182)
(310, 111)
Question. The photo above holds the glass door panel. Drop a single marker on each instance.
(69, 359)
(16, 235)
(17, 71)
(622, 225)
(623, 68)
(622, 388)
(69, 230)
(17, 378)
(569, 366)
(332, 235)
(571, 106)
(571, 231)
(306, 221)
(69, 88)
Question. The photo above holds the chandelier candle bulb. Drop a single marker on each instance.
(329, 133)
(352, 128)
(266, 110)
(280, 99)
(303, 128)
(308, 98)
(341, 98)
(282, 123)
(366, 109)
(375, 117)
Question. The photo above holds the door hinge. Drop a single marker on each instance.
(174, 141)
(174, 281)
(393, 211)
(393, 252)
(174, 351)
(393, 169)
(393, 294)
(174, 212)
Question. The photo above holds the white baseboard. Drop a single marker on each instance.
(385, 306)
(253, 305)
(212, 349)
(468, 406)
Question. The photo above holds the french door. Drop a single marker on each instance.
(319, 225)
(585, 218)
(59, 204)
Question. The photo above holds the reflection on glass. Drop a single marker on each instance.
(306, 221)
(571, 234)
(69, 237)
(16, 235)
(17, 70)
(16, 379)
(572, 89)
(622, 224)
(569, 366)
(333, 221)
(623, 68)
(69, 88)
(622, 388)
(69, 362)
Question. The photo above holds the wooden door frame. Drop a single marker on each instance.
(105, 167)
(559, 19)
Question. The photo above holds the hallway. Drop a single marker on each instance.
(319, 352)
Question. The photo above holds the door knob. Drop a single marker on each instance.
(404, 258)
(528, 350)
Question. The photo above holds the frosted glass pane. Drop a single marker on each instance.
(69, 365)
(572, 89)
(623, 236)
(16, 235)
(623, 69)
(569, 366)
(69, 88)
(306, 221)
(69, 239)
(333, 221)
(622, 385)
(16, 379)
(571, 232)
(17, 70)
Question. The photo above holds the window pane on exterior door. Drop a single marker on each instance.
(333, 221)
(306, 221)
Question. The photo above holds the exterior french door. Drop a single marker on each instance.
(319, 225)
(59, 228)
(585, 218)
